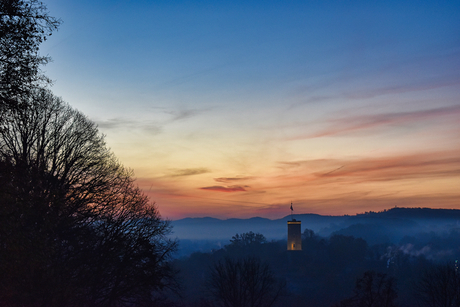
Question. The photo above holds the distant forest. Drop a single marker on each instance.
(340, 269)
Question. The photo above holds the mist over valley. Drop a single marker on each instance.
(432, 232)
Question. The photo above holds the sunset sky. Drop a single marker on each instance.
(236, 108)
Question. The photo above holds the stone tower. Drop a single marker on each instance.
(294, 242)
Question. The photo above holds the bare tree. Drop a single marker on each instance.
(244, 283)
(372, 290)
(439, 286)
(24, 25)
(74, 228)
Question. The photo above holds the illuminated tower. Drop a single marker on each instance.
(294, 241)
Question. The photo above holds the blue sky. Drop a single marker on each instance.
(236, 108)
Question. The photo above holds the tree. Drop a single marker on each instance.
(373, 290)
(247, 244)
(347, 250)
(308, 234)
(244, 283)
(24, 25)
(74, 229)
(439, 286)
(247, 239)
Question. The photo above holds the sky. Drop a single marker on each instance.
(235, 109)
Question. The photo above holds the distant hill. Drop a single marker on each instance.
(389, 225)
(416, 213)
(216, 229)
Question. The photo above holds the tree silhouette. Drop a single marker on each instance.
(439, 286)
(247, 239)
(74, 228)
(308, 234)
(372, 290)
(244, 283)
(347, 250)
(24, 25)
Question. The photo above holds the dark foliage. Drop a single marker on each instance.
(347, 249)
(372, 290)
(325, 272)
(24, 25)
(74, 229)
(439, 286)
(244, 282)
(247, 239)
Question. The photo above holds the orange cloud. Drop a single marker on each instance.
(233, 188)
(396, 168)
(323, 186)
(189, 172)
(331, 176)
(232, 179)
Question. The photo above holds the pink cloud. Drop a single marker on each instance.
(232, 179)
(392, 168)
(233, 188)
(347, 125)
(326, 186)
(190, 172)
(396, 168)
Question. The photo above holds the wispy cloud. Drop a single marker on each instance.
(353, 171)
(232, 179)
(352, 124)
(150, 127)
(397, 168)
(233, 188)
(399, 89)
(438, 78)
(189, 172)
(184, 114)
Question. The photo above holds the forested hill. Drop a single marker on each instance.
(416, 213)
(389, 225)
(410, 253)
(212, 228)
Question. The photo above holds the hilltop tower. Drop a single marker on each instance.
(294, 241)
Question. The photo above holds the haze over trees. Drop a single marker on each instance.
(329, 271)
(244, 282)
(372, 290)
(74, 228)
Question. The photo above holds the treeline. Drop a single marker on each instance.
(335, 271)
(75, 230)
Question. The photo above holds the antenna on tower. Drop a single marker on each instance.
(292, 209)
